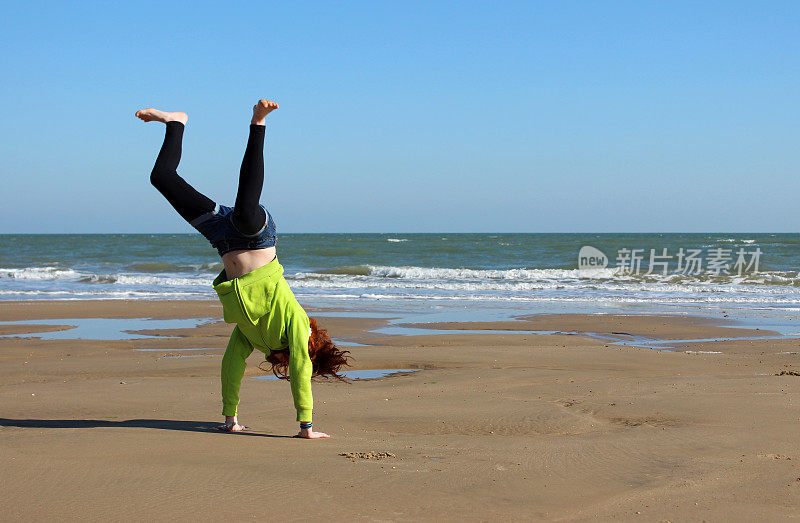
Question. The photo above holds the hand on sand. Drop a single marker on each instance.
(155, 115)
(310, 434)
(231, 427)
(261, 110)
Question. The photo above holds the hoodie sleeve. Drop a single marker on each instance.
(233, 364)
(300, 368)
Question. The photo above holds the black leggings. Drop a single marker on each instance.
(248, 216)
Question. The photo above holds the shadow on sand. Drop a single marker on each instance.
(164, 424)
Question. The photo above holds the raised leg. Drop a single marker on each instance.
(189, 203)
(248, 216)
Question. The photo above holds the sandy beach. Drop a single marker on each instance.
(556, 240)
(493, 426)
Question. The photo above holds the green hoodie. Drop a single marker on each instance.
(267, 317)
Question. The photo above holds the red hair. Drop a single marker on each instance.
(326, 358)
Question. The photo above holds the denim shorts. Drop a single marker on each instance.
(218, 228)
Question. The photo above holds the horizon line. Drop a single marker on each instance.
(400, 233)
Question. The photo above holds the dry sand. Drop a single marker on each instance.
(506, 426)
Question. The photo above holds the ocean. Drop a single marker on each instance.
(537, 271)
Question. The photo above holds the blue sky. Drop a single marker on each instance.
(409, 116)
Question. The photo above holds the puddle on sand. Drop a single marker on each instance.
(399, 330)
(410, 320)
(355, 314)
(119, 329)
(104, 328)
(190, 355)
(366, 374)
(339, 341)
(630, 340)
(172, 350)
(168, 353)
(627, 340)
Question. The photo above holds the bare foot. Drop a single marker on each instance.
(261, 110)
(154, 115)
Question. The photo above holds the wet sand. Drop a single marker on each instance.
(511, 426)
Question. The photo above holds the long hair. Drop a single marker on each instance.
(326, 358)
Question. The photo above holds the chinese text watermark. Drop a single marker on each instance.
(715, 261)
